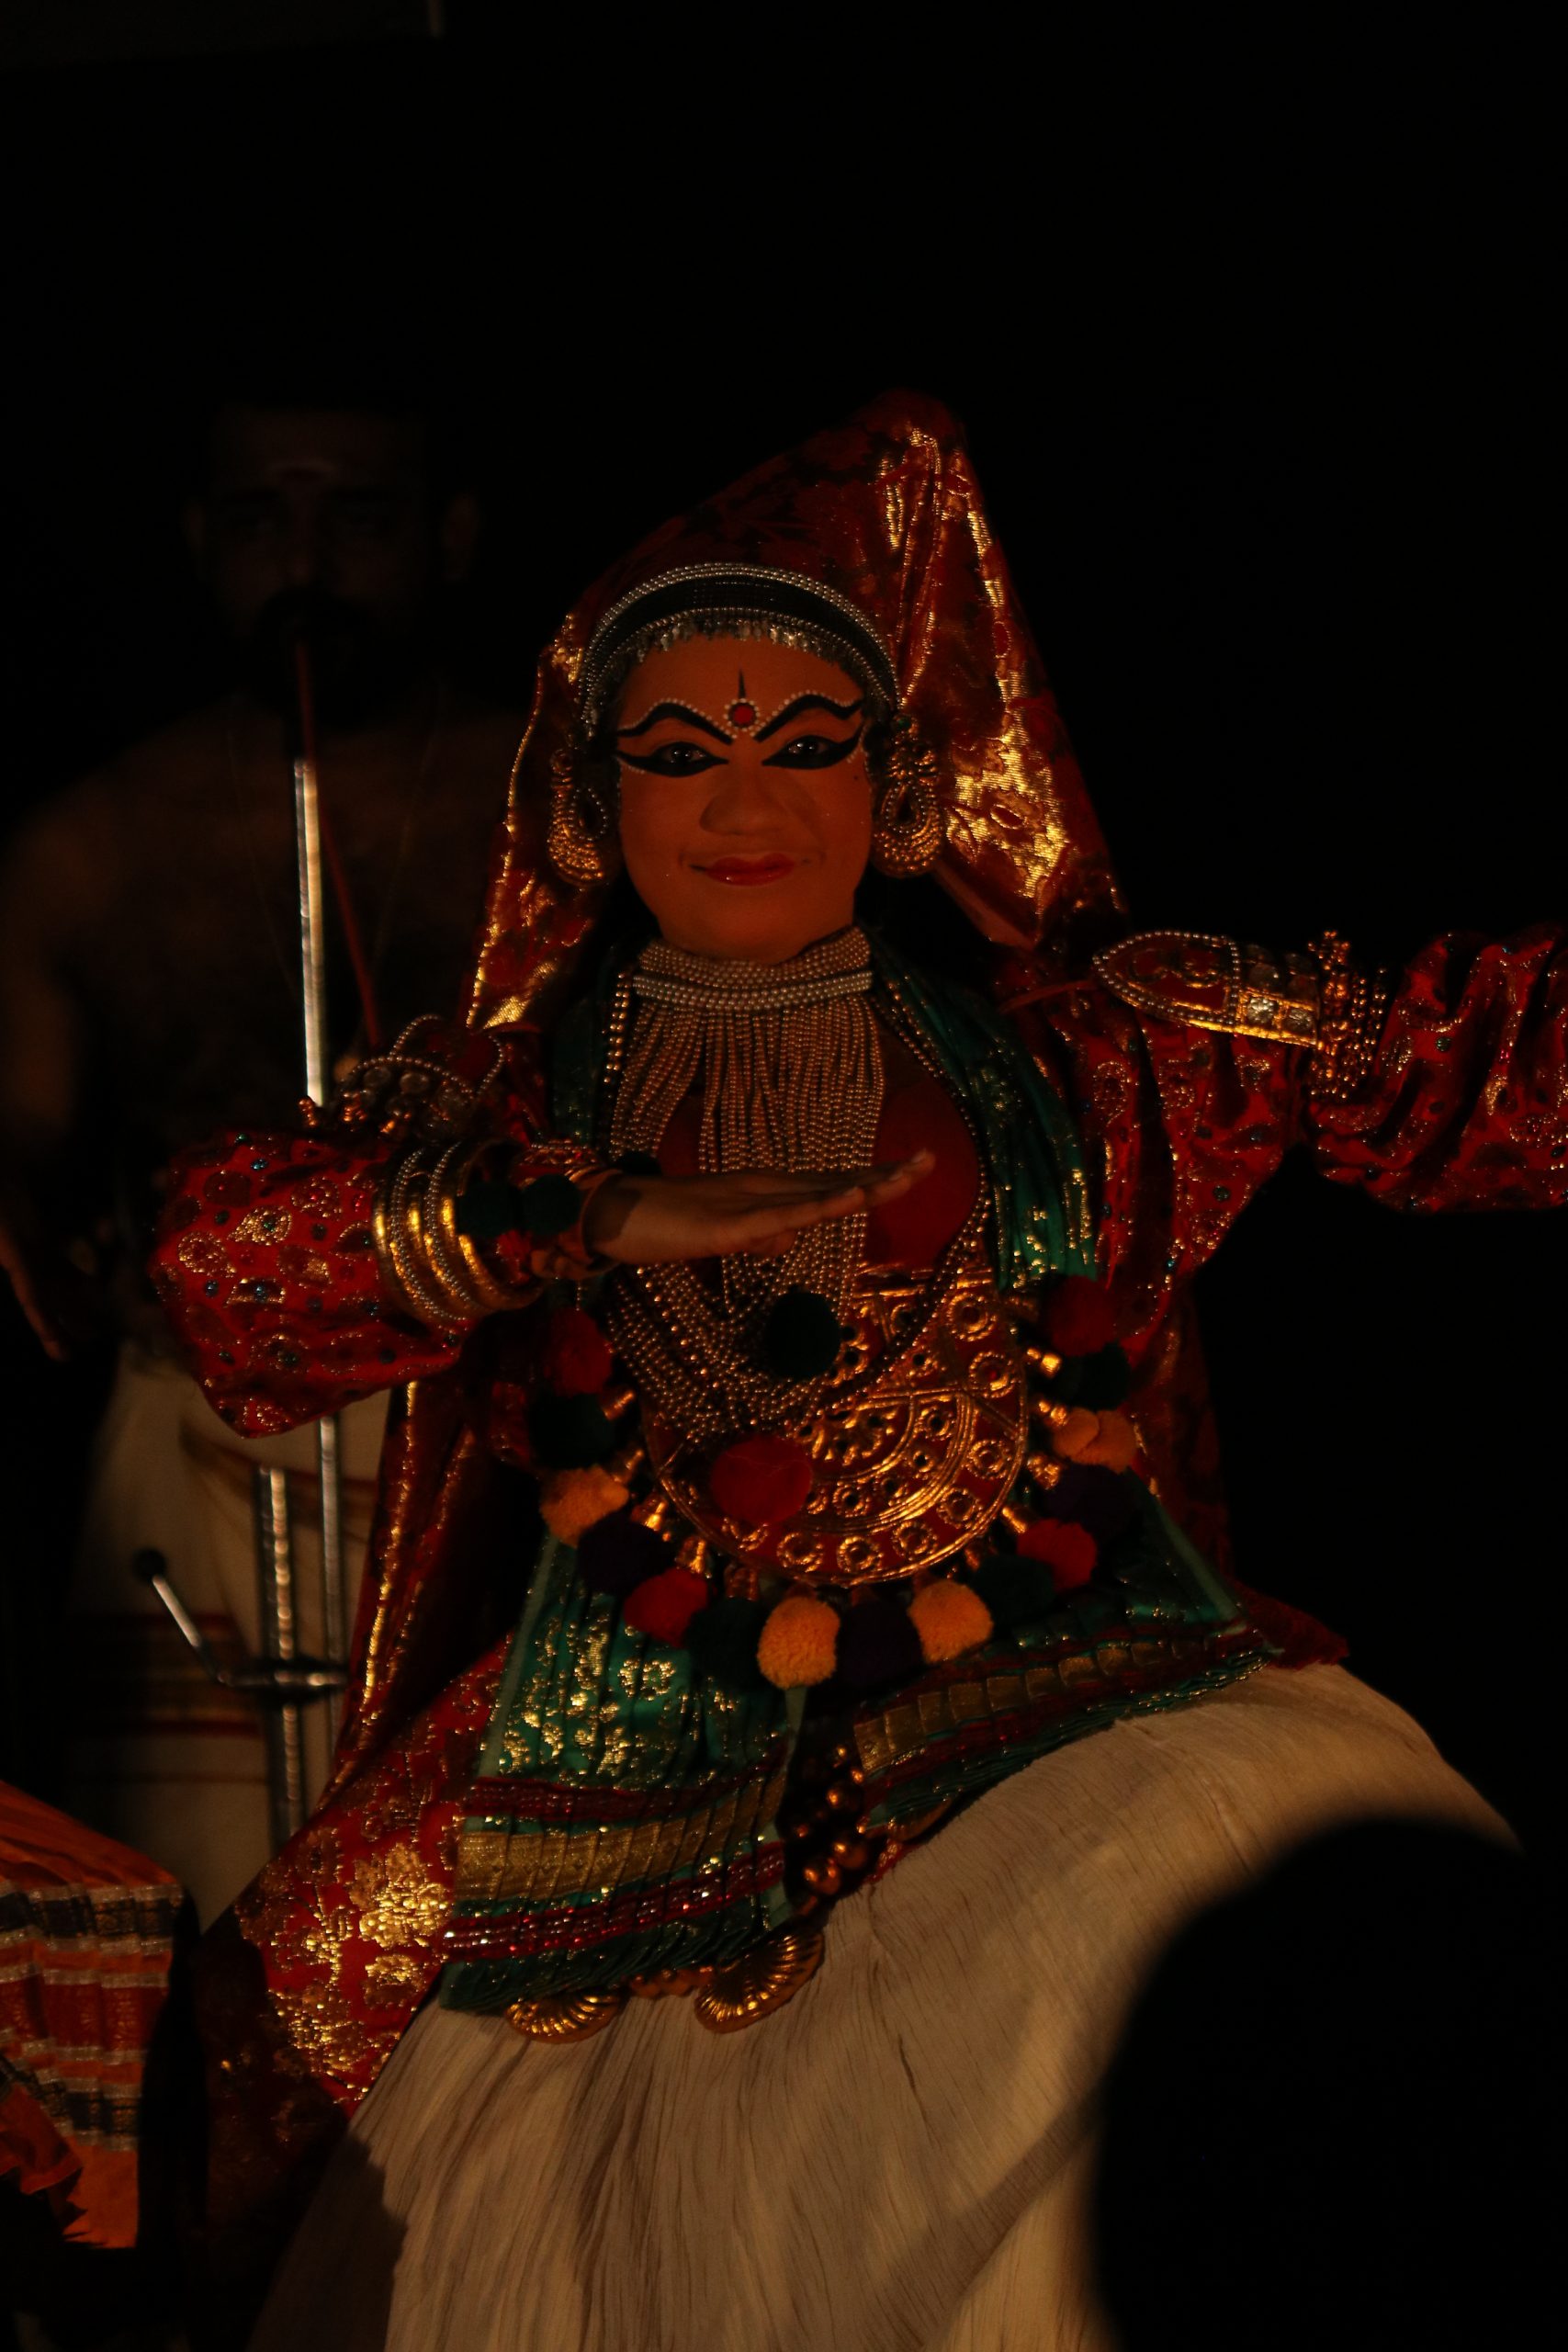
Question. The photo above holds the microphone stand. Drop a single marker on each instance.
(313, 999)
(284, 1680)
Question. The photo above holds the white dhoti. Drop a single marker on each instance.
(903, 2156)
(161, 1757)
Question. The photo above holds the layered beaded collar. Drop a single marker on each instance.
(832, 968)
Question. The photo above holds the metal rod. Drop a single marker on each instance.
(313, 997)
(272, 1681)
(285, 1724)
(312, 925)
(335, 1609)
(153, 1570)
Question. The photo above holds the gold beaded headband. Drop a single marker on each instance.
(751, 598)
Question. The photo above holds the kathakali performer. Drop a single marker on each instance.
(798, 1587)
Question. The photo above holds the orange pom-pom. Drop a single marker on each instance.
(577, 1359)
(799, 1643)
(1068, 1550)
(1072, 1437)
(949, 1618)
(663, 1606)
(1114, 1444)
(573, 1499)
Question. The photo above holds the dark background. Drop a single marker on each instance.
(1252, 352)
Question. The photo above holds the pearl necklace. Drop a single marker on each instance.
(785, 1061)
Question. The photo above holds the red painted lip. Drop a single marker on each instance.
(749, 869)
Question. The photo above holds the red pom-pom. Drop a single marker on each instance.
(577, 1359)
(1079, 1321)
(665, 1605)
(760, 1480)
(1068, 1550)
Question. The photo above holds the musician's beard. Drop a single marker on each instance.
(360, 669)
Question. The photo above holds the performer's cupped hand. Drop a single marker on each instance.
(639, 1220)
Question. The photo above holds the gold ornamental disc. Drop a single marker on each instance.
(566, 2016)
(761, 1981)
(908, 1465)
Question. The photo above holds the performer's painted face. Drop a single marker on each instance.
(746, 801)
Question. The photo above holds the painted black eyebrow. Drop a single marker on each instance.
(808, 702)
(671, 710)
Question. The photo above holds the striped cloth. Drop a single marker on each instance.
(87, 1934)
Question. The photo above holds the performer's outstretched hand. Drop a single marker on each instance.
(654, 1220)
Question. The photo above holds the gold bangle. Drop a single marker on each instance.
(397, 1237)
(457, 1305)
(496, 1292)
(453, 1259)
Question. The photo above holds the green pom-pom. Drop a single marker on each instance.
(1103, 1380)
(1015, 1590)
(569, 1432)
(723, 1643)
(802, 1336)
(547, 1206)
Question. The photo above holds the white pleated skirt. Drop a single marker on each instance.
(899, 2161)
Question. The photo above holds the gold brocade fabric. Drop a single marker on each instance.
(497, 1867)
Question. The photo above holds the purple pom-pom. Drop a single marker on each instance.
(878, 1644)
(616, 1553)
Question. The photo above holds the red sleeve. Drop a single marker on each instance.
(1462, 1102)
(1466, 1105)
(265, 1262)
(1181, 1124)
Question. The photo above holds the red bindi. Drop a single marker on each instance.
(742, 713)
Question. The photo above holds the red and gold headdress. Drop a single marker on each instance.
(870, 540)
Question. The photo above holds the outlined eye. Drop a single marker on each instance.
(814, 751)
(671, 759)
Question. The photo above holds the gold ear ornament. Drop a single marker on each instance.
(581, 839)
(906, 836)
